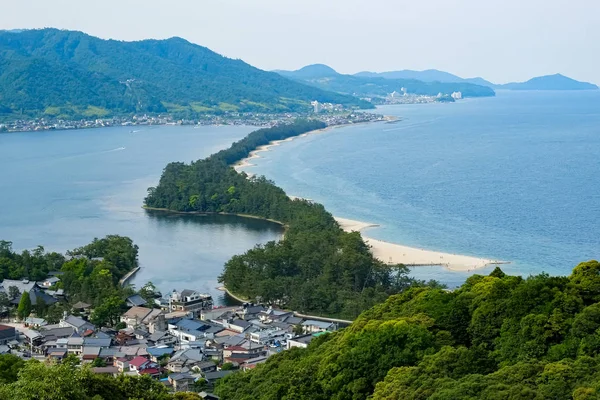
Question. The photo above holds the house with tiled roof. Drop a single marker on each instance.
(78, 324)
(7, 333)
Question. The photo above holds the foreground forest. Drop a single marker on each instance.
(496, 337)
(33, 380)
(316, 268)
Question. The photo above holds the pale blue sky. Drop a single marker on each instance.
(501, 40)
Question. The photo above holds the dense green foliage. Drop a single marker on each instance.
(316, 268)
(37, 381)
(365, 86)
(33, 265)
(90, 274)
(56, 73)
(496, 337)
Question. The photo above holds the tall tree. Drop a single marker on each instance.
(24, 308)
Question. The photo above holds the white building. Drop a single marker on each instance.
(316, 106)
(189, 301)
(457, 95)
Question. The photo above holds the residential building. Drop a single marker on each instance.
(122, 364)
(252, 363)
(185, 360)
(272, 315)
(137, 316)
(189, 301)
(135, 301)
(300, 341)
(75, 344)
(189, 330)
(312, 326)
(139, 364)
(181, 382)
(51, 281)
(78, 324)
(161, 338)
(216, 312)
(35, 322)
(156, 353)
(7, 334)
(212, 377)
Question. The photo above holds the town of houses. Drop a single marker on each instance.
(181, 340)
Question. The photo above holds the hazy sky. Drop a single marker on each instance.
(501, 40)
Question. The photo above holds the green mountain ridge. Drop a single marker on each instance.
(429, 75)
(548, 82)
(326, 78)
(70, 73)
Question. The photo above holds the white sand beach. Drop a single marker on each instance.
(246, 162)
(395, 253)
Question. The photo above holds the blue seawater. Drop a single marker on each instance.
(61, 189)
(515, 177)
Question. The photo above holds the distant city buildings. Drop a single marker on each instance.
(316, 106)
(456, 95)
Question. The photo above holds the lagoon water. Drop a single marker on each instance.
(516, 178)
(61, 189)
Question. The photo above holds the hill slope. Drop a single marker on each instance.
(429, 75)
(362, 85)
(497, 337)
(72, 73)
(550, 82)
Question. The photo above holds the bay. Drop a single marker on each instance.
(513, 177)
(61, 189)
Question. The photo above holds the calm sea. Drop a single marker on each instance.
(61, 189)
(516, 177)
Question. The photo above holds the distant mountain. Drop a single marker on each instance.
(70, 74)
(550, 82)
(429, 75)
(310, 71)
(364, 85)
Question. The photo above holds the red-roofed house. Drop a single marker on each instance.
(140, 364)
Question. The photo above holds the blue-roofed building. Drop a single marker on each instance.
(189, 330)
(135, 301)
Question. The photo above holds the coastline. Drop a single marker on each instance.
(245, 162)
(166, 210)
(394, 253)
(385, 251)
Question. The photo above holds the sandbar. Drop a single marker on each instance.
(410, 256)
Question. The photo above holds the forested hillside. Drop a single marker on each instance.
(316, 268)
(52, 73)
(496, 337)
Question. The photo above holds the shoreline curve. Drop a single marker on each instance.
(384, 251)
